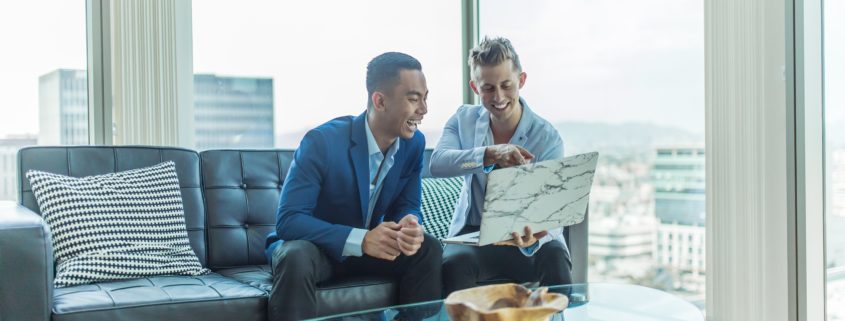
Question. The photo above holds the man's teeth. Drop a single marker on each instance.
(414, 122)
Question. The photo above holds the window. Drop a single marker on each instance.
(45, 89)
(834, 113)
(274, 70)
(625, 79)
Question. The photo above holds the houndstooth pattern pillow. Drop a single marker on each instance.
(439, 196)
(116, 226)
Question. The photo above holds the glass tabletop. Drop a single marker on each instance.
(596, 301)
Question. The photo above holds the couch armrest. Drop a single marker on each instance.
(26, 264)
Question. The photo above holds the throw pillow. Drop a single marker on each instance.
(439, 196)
(116, 226)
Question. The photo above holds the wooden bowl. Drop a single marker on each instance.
(502, 302)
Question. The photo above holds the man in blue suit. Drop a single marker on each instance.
(501, 132)
(351, 200)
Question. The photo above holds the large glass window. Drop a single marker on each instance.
(834, 71)
(625, 79)
(274, 70)
(44, 85)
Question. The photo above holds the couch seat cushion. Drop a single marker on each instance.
(333, 296)
(205, 297)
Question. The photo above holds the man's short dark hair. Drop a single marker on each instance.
(383, 71)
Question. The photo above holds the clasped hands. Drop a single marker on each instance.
(389, 239)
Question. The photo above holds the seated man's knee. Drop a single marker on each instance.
(460, 262)
(553, 265)
(295, 257)
(431, 244)
(554, 254)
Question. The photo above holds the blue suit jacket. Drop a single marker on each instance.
(326, 191)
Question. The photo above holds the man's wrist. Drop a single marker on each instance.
(354, 245)
(488, 157)
(531, 248)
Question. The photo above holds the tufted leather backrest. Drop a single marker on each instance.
(79, 161)
(230, 196)
(242, 189)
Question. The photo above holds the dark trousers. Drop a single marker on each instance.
(299, 265)
(464, 266)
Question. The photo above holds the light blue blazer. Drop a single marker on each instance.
(460, 152)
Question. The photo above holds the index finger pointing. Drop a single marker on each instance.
(517, 157)
(525, 153)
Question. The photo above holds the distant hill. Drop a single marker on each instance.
(623, 141)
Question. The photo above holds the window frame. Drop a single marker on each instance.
(804, 134)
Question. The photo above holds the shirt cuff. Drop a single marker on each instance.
(531, 250)
(354, 241)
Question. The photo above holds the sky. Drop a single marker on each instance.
(38, 37)
(592, 61)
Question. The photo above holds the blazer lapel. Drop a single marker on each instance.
(482, 125)
(388, 186)
(360, 162)
(520, 135)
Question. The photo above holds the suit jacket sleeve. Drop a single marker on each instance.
(295, 218)
(449, 158)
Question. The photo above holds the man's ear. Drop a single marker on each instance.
(522, 77)
(473, 86)
(378, 100)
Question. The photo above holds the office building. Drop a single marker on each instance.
(679, 205)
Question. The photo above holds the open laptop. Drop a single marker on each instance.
(543, 196)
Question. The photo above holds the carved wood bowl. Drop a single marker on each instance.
(502, 302)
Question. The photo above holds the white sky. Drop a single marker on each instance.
(598, 61)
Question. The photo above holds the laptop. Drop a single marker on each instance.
(543, 196)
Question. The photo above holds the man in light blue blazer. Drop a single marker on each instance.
(350, 204)
(501, 132)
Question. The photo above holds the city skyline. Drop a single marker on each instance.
(229, 111)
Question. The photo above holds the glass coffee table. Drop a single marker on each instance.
(596, 301)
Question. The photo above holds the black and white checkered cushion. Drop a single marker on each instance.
(116, 226)
(439, 196)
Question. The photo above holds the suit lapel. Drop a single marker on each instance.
(482, 125)
(389, 184)
(360, 162)
(520, 136)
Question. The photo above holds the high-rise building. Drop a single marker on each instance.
(63, 107)
(229, 112)
(622, 222)
(678, 177)
(626, 237)
(233, 112)
(8, 165)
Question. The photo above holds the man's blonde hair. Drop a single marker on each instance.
(492, 52)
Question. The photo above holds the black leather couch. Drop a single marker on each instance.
(230, 199)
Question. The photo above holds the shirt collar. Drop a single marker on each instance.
(525, 122)
(372, 145)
